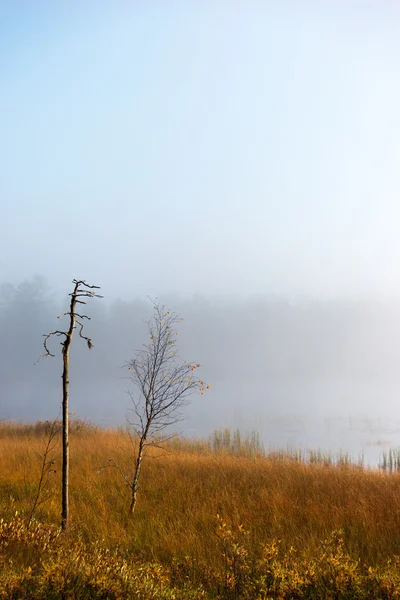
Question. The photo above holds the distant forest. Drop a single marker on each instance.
(246, 345)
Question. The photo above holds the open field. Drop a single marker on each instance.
(208, 521)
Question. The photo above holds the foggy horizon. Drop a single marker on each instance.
(305, 374)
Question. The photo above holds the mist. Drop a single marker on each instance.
(299, 372)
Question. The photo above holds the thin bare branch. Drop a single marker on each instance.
(112, 464)
(76, 314)
(88, 340)
(46, 339)
(46, 470)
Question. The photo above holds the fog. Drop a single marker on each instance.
(307, 373)
(237, 160)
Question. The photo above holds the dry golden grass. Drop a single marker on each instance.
(184, 489)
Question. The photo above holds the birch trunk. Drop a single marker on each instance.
(138, 465)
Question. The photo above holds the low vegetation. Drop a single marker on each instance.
(218, 518)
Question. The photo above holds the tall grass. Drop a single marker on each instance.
(190, 487)
(390, 460)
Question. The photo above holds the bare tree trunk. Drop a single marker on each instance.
(135, 481)
(65, 414)
(81, 290)
(65, 444)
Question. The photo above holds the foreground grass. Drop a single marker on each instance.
(227, 524)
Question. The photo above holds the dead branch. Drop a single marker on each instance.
(47, 468)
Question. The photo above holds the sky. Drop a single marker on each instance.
(239, 160)
(221, 148)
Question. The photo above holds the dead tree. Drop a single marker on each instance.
(81, 290)
(163, 383)
(47, 469)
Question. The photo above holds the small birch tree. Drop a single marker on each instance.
(163, 384)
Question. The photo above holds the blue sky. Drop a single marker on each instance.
(213, 147)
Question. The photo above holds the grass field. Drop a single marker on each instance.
(217, 519)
